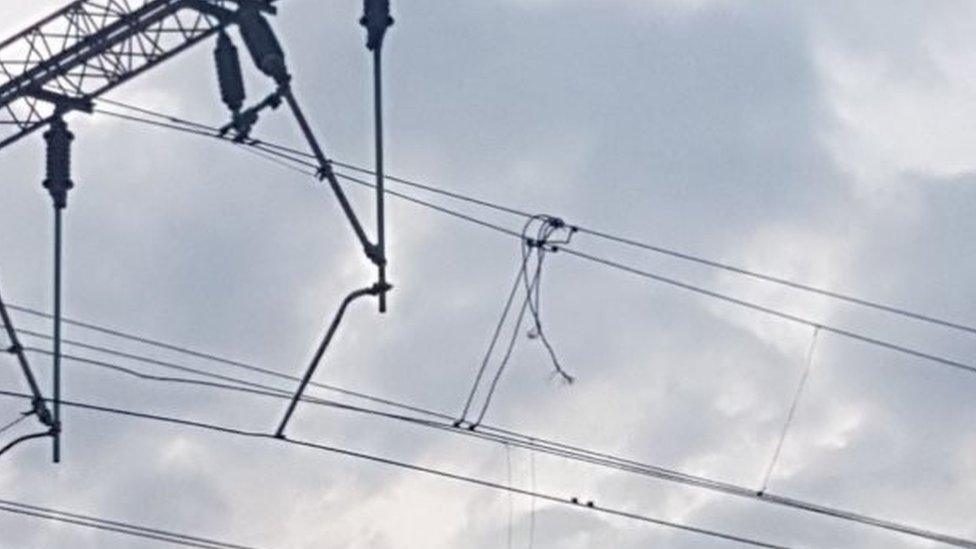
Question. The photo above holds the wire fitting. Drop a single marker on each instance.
(243, 122)
(39, 408)
(15, 349)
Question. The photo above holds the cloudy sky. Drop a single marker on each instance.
(831, 143)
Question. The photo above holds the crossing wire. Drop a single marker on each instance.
(643, 273)
(183, 124)
(217, 428)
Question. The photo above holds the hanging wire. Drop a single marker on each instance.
(532, 499)
(541, 245)
(491, 345)
(511, 496)
(500, 436)
(789, 416)
(504, 363)
(537, 248)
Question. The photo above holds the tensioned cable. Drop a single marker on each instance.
(740, 302)
(749, 304)
(772, 312)
(404, 465)
(501, 436)
(211, 131)
(10, 425)
(205, 356)
(702, 291)
(114, 526)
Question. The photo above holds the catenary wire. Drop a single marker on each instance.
(213, 427)
(211, 131)
(666, 280)
(772, 312)
(120, 524)
(111, 526)
(501, 436)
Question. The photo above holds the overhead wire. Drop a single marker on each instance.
(531, 443)
(118, 527)
(648, 275)
(213, 427)
(772, 312)
(662, 250)
(865, 339)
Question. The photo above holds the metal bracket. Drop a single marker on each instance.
(375, 289)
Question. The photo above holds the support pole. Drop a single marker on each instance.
(57, 335)
(58, 183)
(375, 289)
(380, 178)
(377, 20)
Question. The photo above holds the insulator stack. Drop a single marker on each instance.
(229, 74)
(376, 18)
(58, 181)
(262, 43)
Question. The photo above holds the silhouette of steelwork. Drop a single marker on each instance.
(68, 59)
(91, 46)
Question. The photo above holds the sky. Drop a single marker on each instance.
(829, 143)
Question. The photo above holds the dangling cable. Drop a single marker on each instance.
(543, 244)
(530, 246)
(792, 412)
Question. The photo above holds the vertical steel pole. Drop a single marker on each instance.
(380, 179)
(58, 183)
(57, 335)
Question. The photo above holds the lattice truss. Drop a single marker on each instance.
(90, 47)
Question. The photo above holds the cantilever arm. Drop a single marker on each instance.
(39, 406)
(325, 172)
(375, 289)
(25, 438)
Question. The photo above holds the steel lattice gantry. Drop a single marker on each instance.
(91, 46)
